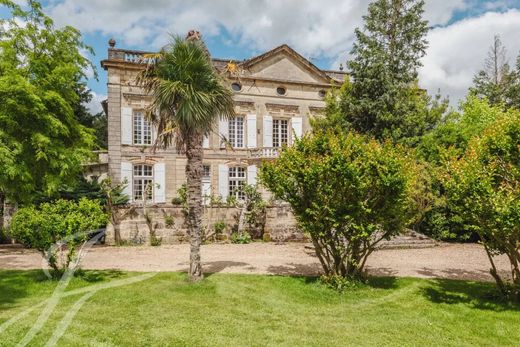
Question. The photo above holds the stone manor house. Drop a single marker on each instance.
(276, 93)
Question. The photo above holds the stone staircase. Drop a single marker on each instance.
(410, 239)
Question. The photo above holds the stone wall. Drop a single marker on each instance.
(280, 224)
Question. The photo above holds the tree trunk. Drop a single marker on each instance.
(2, 209)
(194, 153)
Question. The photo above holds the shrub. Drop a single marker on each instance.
(169, 221)
(61, 223)
(483, 188)
(255, 215)
(219, 227)
(347, 192)
(240, 238)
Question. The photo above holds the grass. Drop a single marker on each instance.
(248, 310)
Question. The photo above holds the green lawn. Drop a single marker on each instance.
(247, 310)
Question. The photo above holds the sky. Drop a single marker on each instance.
(322, 31)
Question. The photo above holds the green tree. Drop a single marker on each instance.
(347, 192)
(42, 144)
(188, 96)
(497, 82)
(450, 139)
(382, 98)
(52, 225)
(484, 188)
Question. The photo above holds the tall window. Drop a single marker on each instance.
(206, 172)
(280, 132)
(237, 181)
(143, 182)
(236, 132)
(142, 130)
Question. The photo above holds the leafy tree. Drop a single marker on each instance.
(188, 96)
(347, 192)
(383, 98)
(42, 144)
(450, 139)
(484, 188)
(497, 82)
(52, 226)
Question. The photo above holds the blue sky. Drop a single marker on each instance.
(322, 31)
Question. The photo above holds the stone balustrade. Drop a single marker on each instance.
(265, 153)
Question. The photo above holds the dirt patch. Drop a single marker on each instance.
(454, 261)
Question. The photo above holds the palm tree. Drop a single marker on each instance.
(188, 97)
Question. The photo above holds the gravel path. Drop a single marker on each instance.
(455, 261)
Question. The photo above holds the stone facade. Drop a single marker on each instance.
(276, 93)
(171, 227)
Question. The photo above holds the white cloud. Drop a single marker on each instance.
(458, 51)
(94, 106)
(318, 29)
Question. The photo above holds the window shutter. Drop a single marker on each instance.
(126, 125)
(251, 131)
(251, 175)
(268, 131)
(126, 174)
(223, 181)
(159, 173)
(223, 130)
(297, 125)
(205, 141)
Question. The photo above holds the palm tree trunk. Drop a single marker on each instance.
(2, 209)
(194, 153)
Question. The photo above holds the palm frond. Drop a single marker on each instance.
(188, 94)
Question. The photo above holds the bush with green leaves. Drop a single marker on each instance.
(255, 214)
(241, 238)
(62, 223)
(347, 192)
(219, 227)
(483, 188)
(447, 141)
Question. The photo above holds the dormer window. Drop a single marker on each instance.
(281, 91)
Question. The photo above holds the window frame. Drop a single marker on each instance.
(145, 128)
(237, 182)
(141, 180)
(233, 131)
(279, 138)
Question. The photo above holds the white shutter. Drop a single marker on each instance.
(268, 131)
(297, 127)
(205, 142)
(223, 181)
(251, 131)
(223, 130)
(126, 174)
(206, 192)
(159, 175)
(126, 125)
(251, 175)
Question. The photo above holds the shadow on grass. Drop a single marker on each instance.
(479, 295)
(93, 276)
(13, 285)
(18, 284)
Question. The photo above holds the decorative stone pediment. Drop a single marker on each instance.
(283, 63)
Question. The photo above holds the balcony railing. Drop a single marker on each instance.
(265, 153)
(128, 56)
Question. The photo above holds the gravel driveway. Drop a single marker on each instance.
(455, 261)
